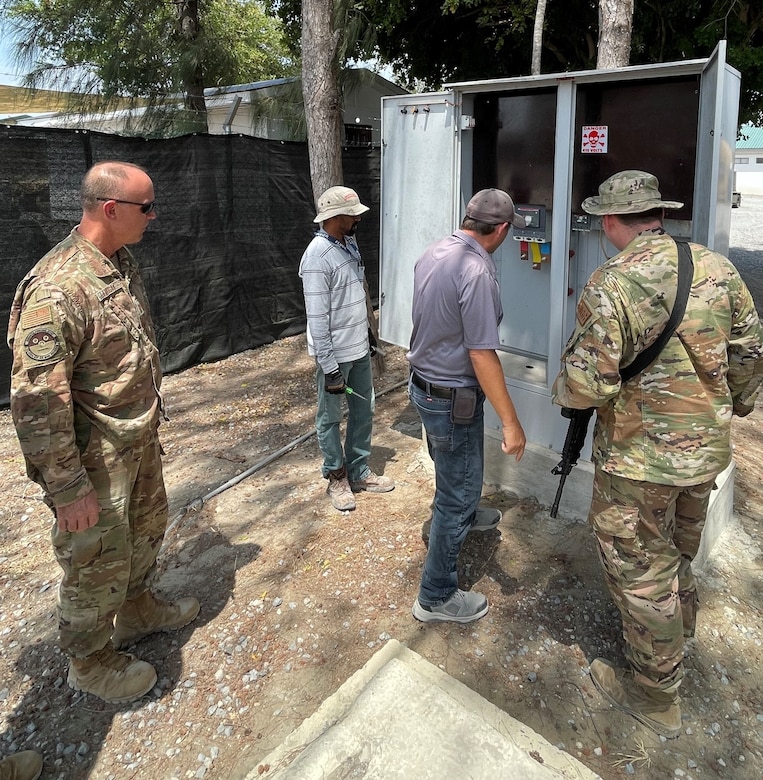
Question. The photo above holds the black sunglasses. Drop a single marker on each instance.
(146, 208)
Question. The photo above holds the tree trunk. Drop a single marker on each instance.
(320, 91)
(323, 114)
(188, 24)
(615, 27)
(540, 16)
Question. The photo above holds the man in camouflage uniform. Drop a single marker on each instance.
(85, 402)
(660, 438)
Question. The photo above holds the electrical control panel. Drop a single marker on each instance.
(537, 223)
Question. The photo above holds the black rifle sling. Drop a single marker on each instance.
(685, 277)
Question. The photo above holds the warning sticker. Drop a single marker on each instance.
(595, 139)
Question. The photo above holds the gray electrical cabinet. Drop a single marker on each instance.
(549, 141)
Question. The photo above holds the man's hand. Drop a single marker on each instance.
(334, 383)
(513, 440)
(80, 515)
(373, 344)
(489, 372)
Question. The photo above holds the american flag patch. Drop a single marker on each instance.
(35, 317)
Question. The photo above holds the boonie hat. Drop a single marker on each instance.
(493, 207)
(339, 200)
(628, 192)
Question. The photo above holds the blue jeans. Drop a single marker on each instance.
(357, 441)
(458, 455)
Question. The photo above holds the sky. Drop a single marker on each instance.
(8, 73)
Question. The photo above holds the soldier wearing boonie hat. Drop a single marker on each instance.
(661, 437)
(340, 339)
(628, 192)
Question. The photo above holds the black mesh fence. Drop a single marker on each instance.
(220, 262)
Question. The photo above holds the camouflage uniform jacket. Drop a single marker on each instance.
(84, 353)
(670, 424)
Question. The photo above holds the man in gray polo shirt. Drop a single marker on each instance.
(454, 367)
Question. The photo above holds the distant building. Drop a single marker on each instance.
(748, 161)
(265, 109)
(275, 109)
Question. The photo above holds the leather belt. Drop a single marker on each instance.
(434, 390)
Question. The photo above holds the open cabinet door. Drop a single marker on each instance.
(716, 143)
(418, 173)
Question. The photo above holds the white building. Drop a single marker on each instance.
(275, 109)
(748, 161)
(266, 109)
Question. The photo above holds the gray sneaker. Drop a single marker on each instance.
(462, 607)
(340, 493)
(485, 519)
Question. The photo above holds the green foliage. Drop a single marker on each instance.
(140, 52)
(430, 43)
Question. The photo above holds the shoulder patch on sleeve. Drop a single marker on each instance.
(584, 312)
(40, 334)
(40, 315)
(43, 344)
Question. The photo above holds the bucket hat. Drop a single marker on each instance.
(628, 192)
(339, 200)
(494, 207)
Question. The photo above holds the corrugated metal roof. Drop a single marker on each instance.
(750, 137)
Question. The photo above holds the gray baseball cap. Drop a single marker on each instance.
(628, 192)
(494, 207)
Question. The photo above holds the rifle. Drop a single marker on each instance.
(573, 444)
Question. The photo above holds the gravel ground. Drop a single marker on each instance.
(746, 244)
(296, 597)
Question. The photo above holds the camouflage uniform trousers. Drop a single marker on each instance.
(647, 536)
(115, 559)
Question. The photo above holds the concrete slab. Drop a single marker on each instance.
(532, 477)
(402, 717)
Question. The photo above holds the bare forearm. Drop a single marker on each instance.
(489, 373)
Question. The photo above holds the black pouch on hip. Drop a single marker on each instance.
(463, 405)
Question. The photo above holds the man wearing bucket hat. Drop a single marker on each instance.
(662, 436)
(332, 275)
(454, 366)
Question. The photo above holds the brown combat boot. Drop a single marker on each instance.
(26, 765)
(111, 676)
(660, 713)
(146, 614)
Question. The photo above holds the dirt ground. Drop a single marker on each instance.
(296, 597)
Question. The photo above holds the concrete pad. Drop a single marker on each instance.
(719, 513)
(532, 477)
(401, 717)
